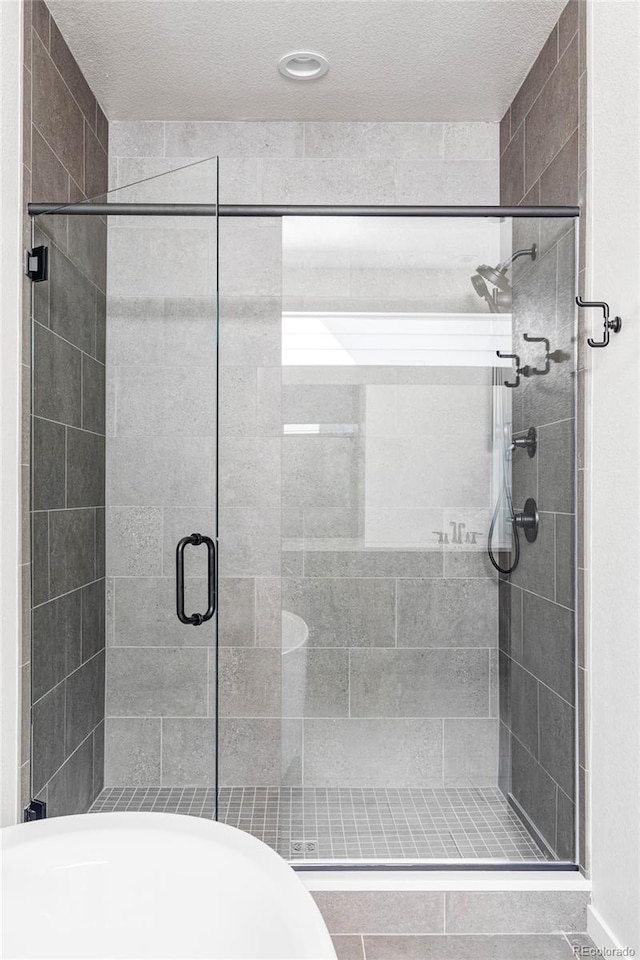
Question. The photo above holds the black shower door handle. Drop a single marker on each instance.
(196, 619)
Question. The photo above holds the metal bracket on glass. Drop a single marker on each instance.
(614, 325)
(196, 619)
(511, 356)
(37, 263)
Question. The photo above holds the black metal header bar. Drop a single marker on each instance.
(250, 210)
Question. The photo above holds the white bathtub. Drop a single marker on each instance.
(143, 885)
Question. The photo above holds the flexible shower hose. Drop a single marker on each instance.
(516, 539)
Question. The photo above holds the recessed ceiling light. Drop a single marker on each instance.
(303, 65)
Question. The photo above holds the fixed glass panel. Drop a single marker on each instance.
(427, 699)
(124, 435)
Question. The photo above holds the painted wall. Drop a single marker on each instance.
(65, 158)
(613, 254)
(543, 162)
(261, 497)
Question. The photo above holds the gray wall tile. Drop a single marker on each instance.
(71, 549)
(93, 395)
(132, 752)
(250, 751)
(557, 726)
(373, 753)
(71, 789)
(420, 683)
(72, 299)
(85, 469)
(57, 378)
(157, 682)
(48, 751)
(144, 612)
(250, 682)
(315, 683)
(93, 619)
(134, 541)
(85, 701)
(343, 612)
(470, 753)
(439, 613)
(548, 644)
(49, 455)
(188, 752)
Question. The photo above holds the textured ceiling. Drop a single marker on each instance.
(388, 59)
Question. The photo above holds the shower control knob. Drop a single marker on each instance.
(528, 519)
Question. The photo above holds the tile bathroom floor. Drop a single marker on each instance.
(313, 823)
(461, 947)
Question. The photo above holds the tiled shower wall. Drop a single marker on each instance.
(65, 158)
(290, 163)
(543, 157)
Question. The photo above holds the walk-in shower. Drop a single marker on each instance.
(315, 406)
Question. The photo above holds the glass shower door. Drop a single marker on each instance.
(393, 400)
(124, 428)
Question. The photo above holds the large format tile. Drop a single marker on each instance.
(554, 115)
(516, 911)
(56, 642)
(548, 644)
(373, 753)
(446, 182)
(470, 753)
(250, 333)
(556, 467)
(315, 682)
(57, 378)
(419, 683)
(48, 464)
(534, 790)
(163, 401)
(144, 613)
(72, 302)
(93, 619)
(85, 469)
(374, 140)
(343, 612)
(250, 259)
(237, 611)
(71, 789)
(93, 395)
(352, 180)
(372, 562)
(250, 682)
(447, 613)
(132, 751)
(250, 542)
(150, 681)
(47, 732)
(249, 751)
(85, 701)
(134, 541)
(557, 736)
(190, 138)
(56, 114)
(188, 752)
(155, 470)
(71, 549)
(381, 912)
(483, 947)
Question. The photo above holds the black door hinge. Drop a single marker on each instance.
(37, 810)
(37, 264)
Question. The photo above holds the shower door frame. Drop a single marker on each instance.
(90, 208)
